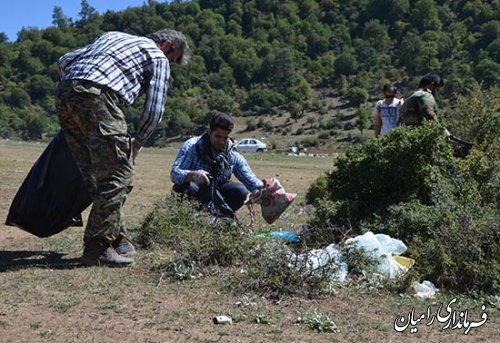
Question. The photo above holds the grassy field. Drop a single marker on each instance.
(47, 296)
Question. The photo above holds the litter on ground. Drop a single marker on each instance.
(288, 236)
(425, 290)
(385, 249)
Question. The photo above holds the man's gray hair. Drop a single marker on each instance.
(178, 40)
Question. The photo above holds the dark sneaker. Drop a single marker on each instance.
(123, 246)
(97, 252)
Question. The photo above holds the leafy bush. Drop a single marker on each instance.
(406, 163)
(357, 96)
(317, 191)
(363, 119)
(318, 321)
(177, 224)
(267, 126)
(475, 118)
(251, 124)
(270, 271)
(310, 142)
(334, 124)
(409, 185)
(299, 131)
(324, 135)
(463, 255)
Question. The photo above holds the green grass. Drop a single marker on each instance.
(41, 302)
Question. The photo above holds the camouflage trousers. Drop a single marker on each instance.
(94, 126)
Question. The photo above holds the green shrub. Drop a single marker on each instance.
(409, 185)
(177, 224)
(270, 271)
(464, 255)
(357, 96)
(475, 118)
(300, 131)
(267, 126)
(405, 164)
(310, 142)
(318, 190)
(324, 135)
(251, 124)
(318, 321)
(334, 124)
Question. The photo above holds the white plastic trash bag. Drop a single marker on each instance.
(381, 247)
(425, 290)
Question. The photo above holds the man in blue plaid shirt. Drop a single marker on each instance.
(209, 161)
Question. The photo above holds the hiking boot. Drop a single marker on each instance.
(98, 252)
(123, 246)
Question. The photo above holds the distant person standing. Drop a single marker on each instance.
(421, 105)
(98, 82)
(386, 112)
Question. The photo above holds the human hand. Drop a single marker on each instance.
(136, 148)
(200, 177)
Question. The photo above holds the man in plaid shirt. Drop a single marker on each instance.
(98, 82)
(209, 161)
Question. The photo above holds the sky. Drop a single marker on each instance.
(16, 14)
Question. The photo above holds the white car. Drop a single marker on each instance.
(250, 145)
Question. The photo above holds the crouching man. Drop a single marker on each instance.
(204, 165)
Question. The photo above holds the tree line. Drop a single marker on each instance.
(263, 57)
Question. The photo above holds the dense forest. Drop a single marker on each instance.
(264, 57)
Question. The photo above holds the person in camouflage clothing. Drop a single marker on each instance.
(98, 82)
(421, 105)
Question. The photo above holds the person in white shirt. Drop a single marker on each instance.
(386, 112)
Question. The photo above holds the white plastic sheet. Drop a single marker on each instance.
(425, 290)
(381, 247)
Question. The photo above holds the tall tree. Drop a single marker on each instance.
(58, 17)
(363, 119)
(425, 15)
(87, 12)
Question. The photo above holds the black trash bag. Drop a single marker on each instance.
(53, 195)
(460, 147)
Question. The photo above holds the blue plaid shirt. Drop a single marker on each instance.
(188, 160)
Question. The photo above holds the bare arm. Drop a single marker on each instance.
(378, 124)
(377, 119)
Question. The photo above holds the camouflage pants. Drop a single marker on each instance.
(96, 131)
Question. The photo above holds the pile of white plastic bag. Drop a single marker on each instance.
(380, 247)
(383, 248)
